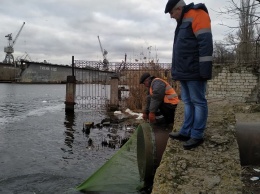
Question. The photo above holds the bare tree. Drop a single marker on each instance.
(223, 52)
(246, 32)
(244, 40)
(247, 37)
(233, 11)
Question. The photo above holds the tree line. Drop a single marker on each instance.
(241, 46)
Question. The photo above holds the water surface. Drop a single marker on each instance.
(43, 150)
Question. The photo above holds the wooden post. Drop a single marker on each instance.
(114, 102)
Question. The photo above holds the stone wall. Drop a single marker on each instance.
(235, 84)
(240, 84)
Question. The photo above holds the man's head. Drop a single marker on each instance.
(174, 8)
(145, 79)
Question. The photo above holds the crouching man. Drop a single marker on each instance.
(161, 100)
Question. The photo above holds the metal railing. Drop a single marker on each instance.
(93, 90)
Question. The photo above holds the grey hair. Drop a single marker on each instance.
(181, 3)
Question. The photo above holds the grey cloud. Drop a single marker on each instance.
(57, 29)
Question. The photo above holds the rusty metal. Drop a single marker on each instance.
(161, 137)
(151, 143)
(130, 93)
(248, 138)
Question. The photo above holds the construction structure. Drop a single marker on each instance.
(104, 54)
(9, 49)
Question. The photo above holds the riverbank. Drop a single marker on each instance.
(213, 167)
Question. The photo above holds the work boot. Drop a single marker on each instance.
(192, 143)
(178, 136)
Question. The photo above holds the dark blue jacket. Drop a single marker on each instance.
(193, 45)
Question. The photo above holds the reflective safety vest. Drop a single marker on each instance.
(170, 94)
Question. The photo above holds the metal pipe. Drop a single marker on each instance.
(73, 66)
(248, 139)
(151, 143)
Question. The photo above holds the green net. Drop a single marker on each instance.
(120, 174)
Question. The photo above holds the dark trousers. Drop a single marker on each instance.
(168, 112)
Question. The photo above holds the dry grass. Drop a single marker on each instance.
(137, 92)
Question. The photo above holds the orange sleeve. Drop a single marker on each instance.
(200, 20)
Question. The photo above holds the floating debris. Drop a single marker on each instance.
(255, 178)
(117, 112)
(87, 126)
(139, 115)
(257, 170)
(106, 122)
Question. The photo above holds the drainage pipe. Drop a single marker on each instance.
(151, 143)
(248, 139)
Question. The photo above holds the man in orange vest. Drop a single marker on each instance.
(161, 99)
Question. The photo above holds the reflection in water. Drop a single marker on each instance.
(111, 133)
(86, 128)
(69, 123)
(107, 134)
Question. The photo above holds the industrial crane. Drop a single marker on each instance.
(104, 54)
(9, 58)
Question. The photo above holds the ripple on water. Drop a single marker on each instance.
(39, 183)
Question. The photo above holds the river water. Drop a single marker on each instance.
(43, 150)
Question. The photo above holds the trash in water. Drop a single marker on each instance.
(257, 170)
(255, 178)
(117, 112)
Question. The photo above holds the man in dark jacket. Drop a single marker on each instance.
(192, 66)
(161, 98)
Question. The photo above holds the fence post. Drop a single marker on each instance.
(70, 90)
(258, 86)
(114, 101)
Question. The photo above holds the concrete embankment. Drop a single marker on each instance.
(213, 167)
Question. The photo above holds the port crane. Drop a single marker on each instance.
(104, 54)
(9, 58)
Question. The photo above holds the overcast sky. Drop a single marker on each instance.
(55, 30)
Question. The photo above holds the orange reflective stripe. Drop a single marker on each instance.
(168, 87)
(172, 96)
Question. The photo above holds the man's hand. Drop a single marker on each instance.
(152, 117)
(145, 116)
